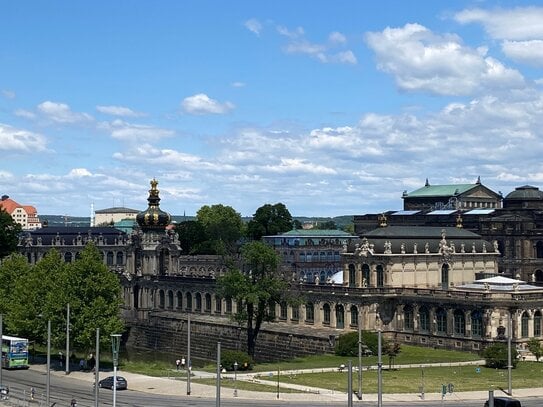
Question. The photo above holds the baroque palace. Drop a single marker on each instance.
(460, 267)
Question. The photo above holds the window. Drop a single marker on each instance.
(366, 275)
(218, 304)
(441, 321)
(170, 299)
(408, 322)
(352, 275)
(524, 324)
(271, 309)
(539, 250)
(68, 257)
(179, 300)
(424, 319)
(326, 314)
(110, 258)
(229, 305)
(189, 302)
(161, 299)
(537, 323)
(354, 315)
(340, 316)
(207, 303)
(459, 322)
(309, 312)
(380, 276)
(283, 310)
(119, 258)
(295, 313)
(198, 302)
(476, 324)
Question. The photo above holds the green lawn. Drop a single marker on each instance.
(464, 378)
(244, 385)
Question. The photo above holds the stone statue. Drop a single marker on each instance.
(426, 248)
(388, 247)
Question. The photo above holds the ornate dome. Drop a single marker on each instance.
(526, 192)
(153, 218)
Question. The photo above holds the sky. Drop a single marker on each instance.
(332, 108)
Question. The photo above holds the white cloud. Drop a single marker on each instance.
(528, 52)
(79, 173)
(520, 23)
(420, 60)
(25, 113)
(8, 94)
(62, 113)
(118, 111)
(135, 133)
(337, 37)
(254, 26)
(238, 84)
(18, 140)
(200, 104)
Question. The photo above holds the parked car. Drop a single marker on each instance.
(108, 383)
(504, 402)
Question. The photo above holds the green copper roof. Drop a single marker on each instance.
(441, 190)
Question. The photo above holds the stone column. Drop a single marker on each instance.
(346, 274)
(358, 273)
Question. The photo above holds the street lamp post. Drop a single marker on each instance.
(115, 345)
(48, 376)
(359, 395)
(189, 364)
(379, 369)
(67, 358)
(97, 368)
(235, 379)
(509, 364)
(1, 347)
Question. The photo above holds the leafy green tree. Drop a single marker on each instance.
(12, 269)
(269, 220)
(257, 285)
(347, 344)
(534, 346)
(349, 228)
(296, 224)
(223, 225)
(326, 225)
(193, 237)
(229, 357)
(496, 356)
(9, 234)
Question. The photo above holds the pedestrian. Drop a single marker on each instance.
(73, 403)
(177, 363)
(32, 393)
(183, 362)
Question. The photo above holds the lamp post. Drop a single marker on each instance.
(359, 395)
(48, 376)
(509, 364)
(235, 379)
(97, 368)
(218, 389)
(1, 349)
(379, 369)
(115, 345)
(189, 365)
(67, 359)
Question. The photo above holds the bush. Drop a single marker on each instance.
(496, 356)
(228, 357)
(347, 344)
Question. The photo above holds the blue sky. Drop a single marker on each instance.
(332, 108)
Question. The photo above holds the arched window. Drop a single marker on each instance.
(366, 281)
(309, 312)
(424, 319)
(207, 303)
(380, 276)
(441, 321)
(459, 323)
(218, 304)
(283, 310)
(340, 316)
(445, 276)
(198, 302)
(179, 296)
(271, 309)
(352, 275)
(119, 258)
(228, 302)
(539, 276)
(408, 319)
(189, 301)
(302, 257)
(524, 320)
(295, 313)
(476, 324)
(537, 323)
(354, 315)
(110, 258)
(323, 256)
(326, 314)
(161, 299)
(170, 299)
(68, 257)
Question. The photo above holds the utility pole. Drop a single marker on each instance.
(67, 358)
(509, 364)
(189, 363)
(218, 396)
(359, 354)
(97, 367)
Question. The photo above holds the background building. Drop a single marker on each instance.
(24, 215)
(109, 216)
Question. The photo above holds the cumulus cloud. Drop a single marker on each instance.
(125, 131)
(62, 113)
(25, 113)
(118, 111)
(528, 52)
(254, 26)
(420, 60)
(22, 141)
(201, 104)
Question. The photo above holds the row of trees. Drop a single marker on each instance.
(30, 295)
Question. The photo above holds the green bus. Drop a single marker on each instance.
(14, 352)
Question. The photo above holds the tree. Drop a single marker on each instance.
(391, 349)
(347, 344)
(534, 346)
(269, 220)
(223, 225)
(496, 356)
(192, 237)
(257, 285)
(41, 292)
(326, 225)
(9, 234)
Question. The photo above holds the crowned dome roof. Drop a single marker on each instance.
(153, 218)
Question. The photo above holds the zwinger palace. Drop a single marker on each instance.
(460, 267)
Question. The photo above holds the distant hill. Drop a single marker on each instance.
(65, 220)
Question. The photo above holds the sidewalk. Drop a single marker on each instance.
(177, 387)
